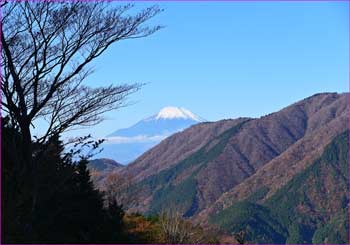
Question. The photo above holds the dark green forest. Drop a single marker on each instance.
(68, 209)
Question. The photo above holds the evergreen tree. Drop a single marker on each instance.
(15, 186)
(69, 209)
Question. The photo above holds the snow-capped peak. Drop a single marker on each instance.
(172, 112)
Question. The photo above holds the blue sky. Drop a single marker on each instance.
(229, 59)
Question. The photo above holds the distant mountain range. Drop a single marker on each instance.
(104, 164)
(101, 168)
(281, 178)
(125, 145)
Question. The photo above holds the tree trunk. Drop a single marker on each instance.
(30, 165)
(27, 144)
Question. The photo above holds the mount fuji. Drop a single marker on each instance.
(125, 145)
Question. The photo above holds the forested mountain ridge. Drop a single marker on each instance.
(329, 121)
(310, 208)
(210, 166)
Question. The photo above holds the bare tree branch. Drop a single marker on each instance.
(47, 49)
(176, 230)
(3, 3)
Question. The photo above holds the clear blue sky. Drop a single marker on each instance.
(229, 59)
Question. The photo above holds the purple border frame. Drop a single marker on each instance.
(214, 1)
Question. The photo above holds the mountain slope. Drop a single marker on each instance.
(309, 208)
(178, 147)
(104, 164)
(100, 168)
(204, 168)
(296, 158)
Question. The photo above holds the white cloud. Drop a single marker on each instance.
(135, 139)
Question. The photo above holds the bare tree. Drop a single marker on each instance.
(46, 51)
(176, 230)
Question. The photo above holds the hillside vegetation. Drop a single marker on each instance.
(279, 178)
(307, 209)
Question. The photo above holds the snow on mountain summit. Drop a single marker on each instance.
(126, 144)
(171, 112)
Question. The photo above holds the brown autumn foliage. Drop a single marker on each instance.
(117, 186)
(168, 228)
(141, 230)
